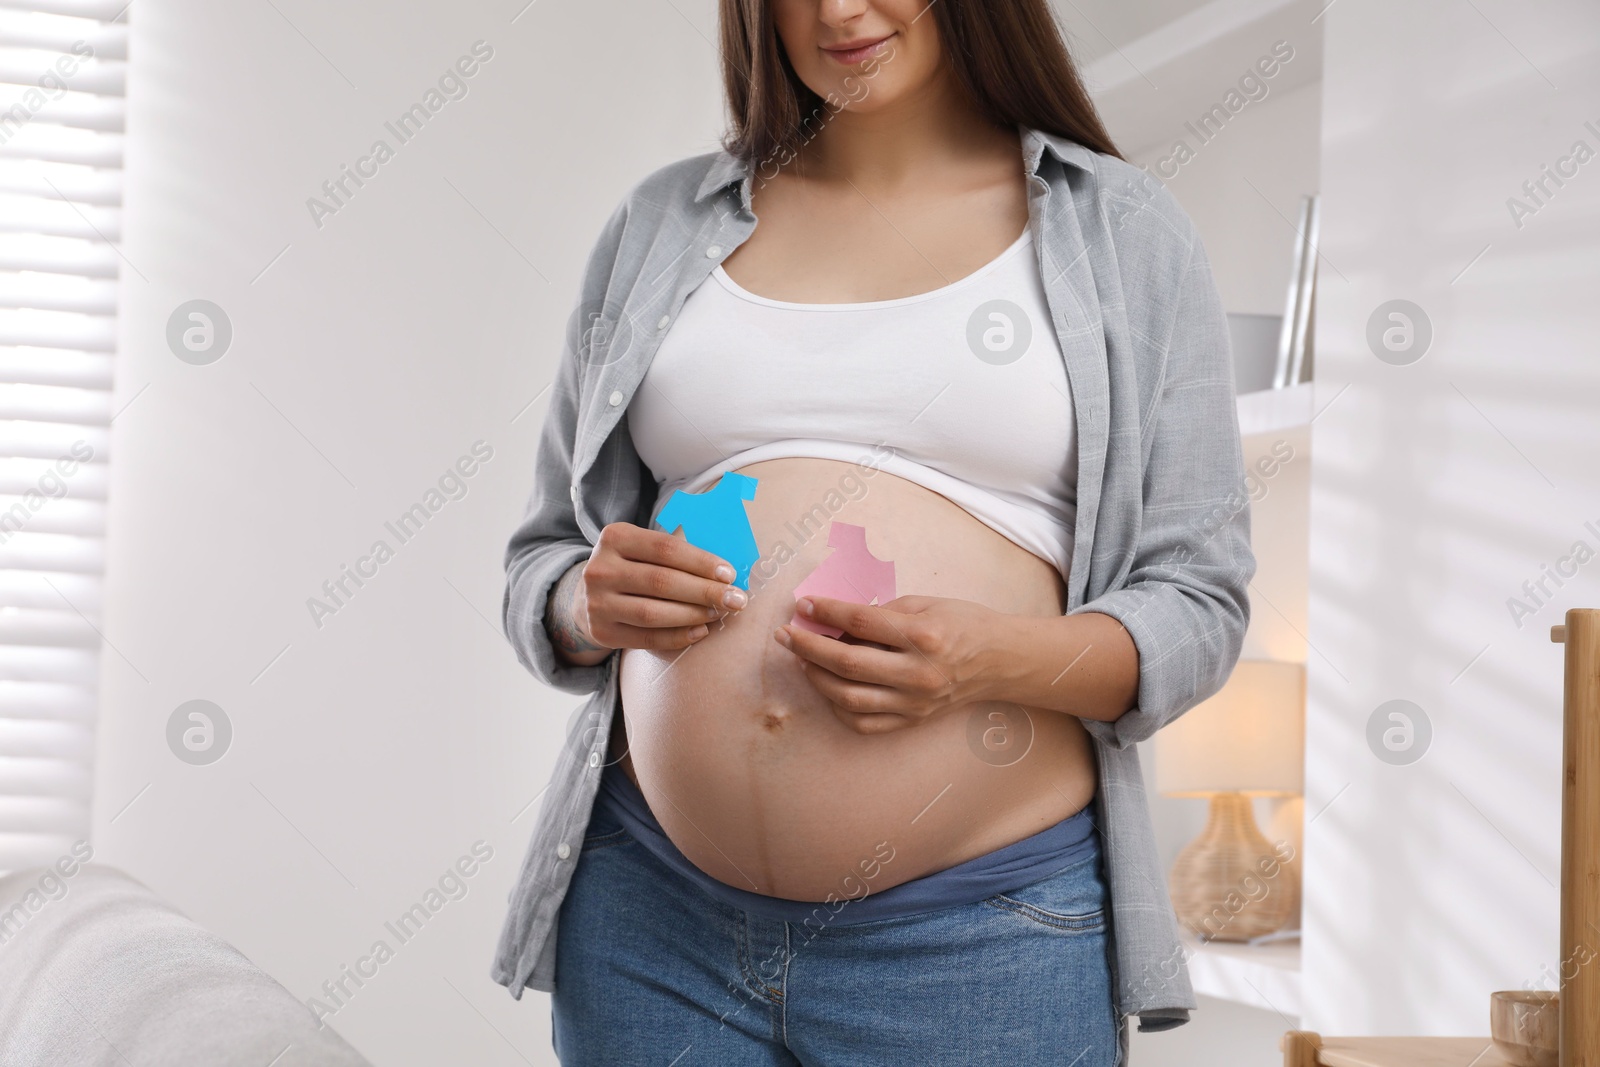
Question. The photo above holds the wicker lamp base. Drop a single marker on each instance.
(1230, 884)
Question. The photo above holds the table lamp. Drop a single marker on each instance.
(1231, 883)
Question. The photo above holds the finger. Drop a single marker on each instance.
(666, 550)
(857, 700)
(859, 663)
(872, 724)
(649, 613)
(868, 621)
(657, 640)
(668, 583)
(910, 605)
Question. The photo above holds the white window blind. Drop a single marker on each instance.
(62, 72)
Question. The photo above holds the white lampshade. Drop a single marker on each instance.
(1249, 738)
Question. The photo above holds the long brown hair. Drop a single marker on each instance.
(1007, 53)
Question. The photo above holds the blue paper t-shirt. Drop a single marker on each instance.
(715, 520)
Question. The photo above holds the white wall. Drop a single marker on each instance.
(1438, 489)
(375, 750)
(1243, 188)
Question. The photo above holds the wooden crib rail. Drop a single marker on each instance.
(1579, 971)
(1579, 1019)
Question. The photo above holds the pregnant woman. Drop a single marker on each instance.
(970, 372)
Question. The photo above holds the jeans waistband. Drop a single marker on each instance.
(1004, 870)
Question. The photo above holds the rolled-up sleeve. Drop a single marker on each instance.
(549, 541)
(1186, 598)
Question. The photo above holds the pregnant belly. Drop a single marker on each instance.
(760, 784)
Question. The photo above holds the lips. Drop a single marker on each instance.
(855, 52)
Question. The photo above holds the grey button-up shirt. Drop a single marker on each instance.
(1162, 536)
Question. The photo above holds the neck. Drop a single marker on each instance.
(889, 147)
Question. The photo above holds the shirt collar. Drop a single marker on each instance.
(726, 168)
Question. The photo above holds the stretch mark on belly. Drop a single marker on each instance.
(758, 818)
(774, 713)
(774, 716)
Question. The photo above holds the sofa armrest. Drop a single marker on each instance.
(97, 969)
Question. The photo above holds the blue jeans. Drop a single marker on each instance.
(652, 970)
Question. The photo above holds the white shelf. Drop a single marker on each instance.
(1260, 976)
(1276, 410)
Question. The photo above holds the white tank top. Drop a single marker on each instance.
(965, 387)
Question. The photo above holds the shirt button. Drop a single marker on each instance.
(666, 320)
(594, 759)
(563, 850)
(614, 399)
(714, 251)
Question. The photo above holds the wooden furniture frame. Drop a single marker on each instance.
(1579, 1022)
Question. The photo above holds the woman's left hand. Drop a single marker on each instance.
(924, 654)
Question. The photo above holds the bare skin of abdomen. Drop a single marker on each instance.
(760, 783)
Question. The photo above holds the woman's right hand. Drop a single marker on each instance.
(639, 588)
